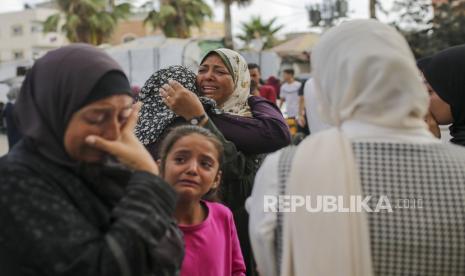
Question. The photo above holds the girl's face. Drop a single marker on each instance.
(192, 167)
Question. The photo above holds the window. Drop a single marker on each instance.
(36, 28)
(17, 30)
(18, 54)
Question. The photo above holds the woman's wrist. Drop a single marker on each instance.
(198, 120)
(198, 112)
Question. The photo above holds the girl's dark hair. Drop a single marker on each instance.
(185, 130)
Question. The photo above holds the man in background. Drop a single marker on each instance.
(266, 91)
(290, 95)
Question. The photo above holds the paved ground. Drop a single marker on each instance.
(3, 145)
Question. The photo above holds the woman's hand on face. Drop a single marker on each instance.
(127, 148)
(181, 101)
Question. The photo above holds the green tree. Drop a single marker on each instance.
(228, 38)
(88, 21)
(176, 17)
(428, 28)
(256, 29)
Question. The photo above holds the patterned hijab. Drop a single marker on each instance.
(237, 103)
(155, 116)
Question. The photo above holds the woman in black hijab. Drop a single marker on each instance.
(445, 73)
(79, 194)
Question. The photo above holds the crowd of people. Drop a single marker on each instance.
(174, 179)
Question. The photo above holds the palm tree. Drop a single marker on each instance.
(228, 39)
(88, 21)
(176, 17)
(256, 29)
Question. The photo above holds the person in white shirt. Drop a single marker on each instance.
(315, 122)
(290, 94)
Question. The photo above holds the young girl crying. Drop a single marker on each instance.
(190, 160)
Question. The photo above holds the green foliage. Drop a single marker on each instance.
(51, 23)
(430, 29)
(176, 17)
(256, 29)
(88, 21)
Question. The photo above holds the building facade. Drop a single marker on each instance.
(22, 37)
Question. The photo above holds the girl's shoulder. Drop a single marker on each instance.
(218, 211)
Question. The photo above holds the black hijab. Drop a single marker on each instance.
(59, 84)
(445, 72)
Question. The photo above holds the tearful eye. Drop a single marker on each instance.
(178, 160)
(207, 164)
(95, 119)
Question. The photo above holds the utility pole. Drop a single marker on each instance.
(111, 5)
(325, 13)
(373, 8)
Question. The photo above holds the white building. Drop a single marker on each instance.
(22, 37)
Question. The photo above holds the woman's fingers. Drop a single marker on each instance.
(165, 97)
(176, 86)
(132, 120)
(168, 89)
(163, 93)
(101, 144)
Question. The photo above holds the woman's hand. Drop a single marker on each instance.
(181, 101)
(127, 148)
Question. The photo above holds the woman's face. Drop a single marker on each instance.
(214, 79)
(192, 167)
(104, 118)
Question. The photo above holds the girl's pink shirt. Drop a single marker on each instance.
(212, 247)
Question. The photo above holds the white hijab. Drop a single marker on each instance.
(363, 71)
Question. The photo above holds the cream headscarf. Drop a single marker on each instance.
(364, 71)
(237, 103)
